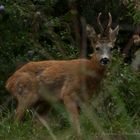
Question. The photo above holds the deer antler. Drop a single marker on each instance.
(107, 31)
(99, 23)
(109, 21)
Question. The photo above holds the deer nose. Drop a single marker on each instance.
(104, 61)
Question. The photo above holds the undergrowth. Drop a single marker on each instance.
(113, 113)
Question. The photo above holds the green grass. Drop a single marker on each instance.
(113, 114)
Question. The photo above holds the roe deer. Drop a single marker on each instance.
(64, 79)
(136, 60)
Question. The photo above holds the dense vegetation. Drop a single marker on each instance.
(44, 29)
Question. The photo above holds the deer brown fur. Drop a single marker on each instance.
(62, 80)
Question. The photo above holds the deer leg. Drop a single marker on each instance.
(19, 114)
(72, 108)
(23, 104)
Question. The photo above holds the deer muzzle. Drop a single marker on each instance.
(104, 61)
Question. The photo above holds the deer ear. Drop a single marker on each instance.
(113, 33)
(91, 34)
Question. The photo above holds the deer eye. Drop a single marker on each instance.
(97, 48)
(111, 49)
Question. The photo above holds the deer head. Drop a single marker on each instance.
(136, 39)
(102, 43)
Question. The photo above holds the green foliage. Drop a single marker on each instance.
(114, 111)
(123, 93)
(29, 32)
(136, 17)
